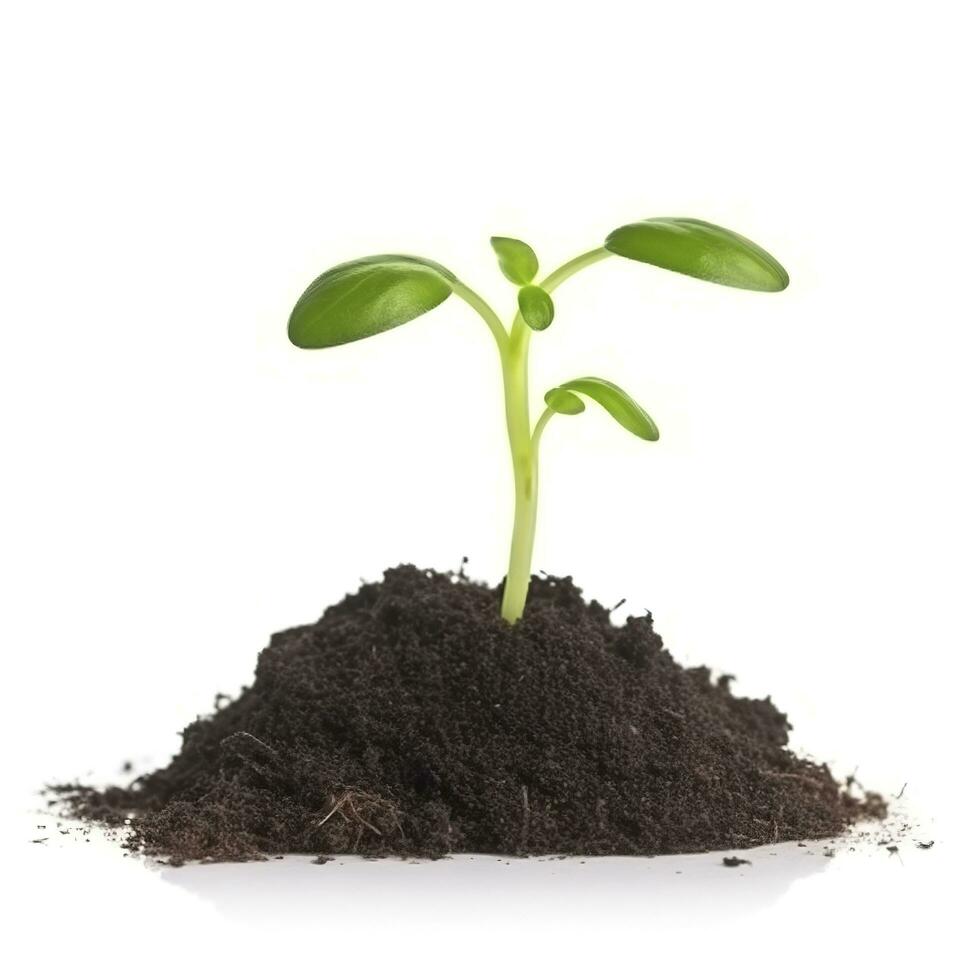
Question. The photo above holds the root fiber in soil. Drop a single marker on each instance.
(411, 720)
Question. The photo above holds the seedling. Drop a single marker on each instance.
(368, 296)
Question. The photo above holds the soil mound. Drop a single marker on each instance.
(411, 720)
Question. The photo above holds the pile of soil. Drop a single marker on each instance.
(411, 720)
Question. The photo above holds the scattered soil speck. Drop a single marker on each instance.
(734, 862)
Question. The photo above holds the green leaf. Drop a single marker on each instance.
(517, 260)
(536, 307)
(564, 402)
(618, 404)
(696, 248)
(367, 296)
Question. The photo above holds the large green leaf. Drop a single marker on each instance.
(367, 296)
(696, 248)
(517, 260)
(618, 404)
(536, 306)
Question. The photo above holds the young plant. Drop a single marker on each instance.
(368, 296)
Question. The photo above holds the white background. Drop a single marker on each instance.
(179, 482)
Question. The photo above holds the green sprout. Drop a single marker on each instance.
(368, 296)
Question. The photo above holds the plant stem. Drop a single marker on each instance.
(524, 458)
(513, 348)
(486, 311)
(524, 445)
(580, 262)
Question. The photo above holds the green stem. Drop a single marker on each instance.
(486, 311)
(524, 445)
(524, 458)
(580, 262)
(513, 348)
(525, 522)
(547, 414)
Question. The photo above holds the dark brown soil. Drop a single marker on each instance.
(412, 720)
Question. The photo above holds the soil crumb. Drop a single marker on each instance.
(411, 720)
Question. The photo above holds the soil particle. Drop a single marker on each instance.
(734, 862)
(411, 720)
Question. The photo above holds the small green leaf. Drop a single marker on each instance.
(564, 402)
(618, 404)
(367, 296)
(536, 307)
(517, 260)
(696, 248)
